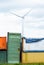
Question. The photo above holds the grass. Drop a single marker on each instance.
(25, 64)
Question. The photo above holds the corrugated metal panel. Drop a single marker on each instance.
(33, 57)
(3, 43)
(14, 40)
(3, 56)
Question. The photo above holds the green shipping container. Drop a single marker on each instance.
(14, 41)
(3, 56)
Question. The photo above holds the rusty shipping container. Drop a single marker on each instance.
(3, 44)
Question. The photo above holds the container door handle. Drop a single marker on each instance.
(18, 49)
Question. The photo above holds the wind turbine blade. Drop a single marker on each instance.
(27, 12)
(15, 14)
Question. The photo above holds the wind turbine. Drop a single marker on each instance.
(22, 19)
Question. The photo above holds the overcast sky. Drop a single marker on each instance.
(33, 22)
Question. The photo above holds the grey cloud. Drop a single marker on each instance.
(20, 4)
(39, 13)
(41, 27)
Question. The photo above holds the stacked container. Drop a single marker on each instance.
(31, 56)
(3, 50)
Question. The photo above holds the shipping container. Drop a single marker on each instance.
(3, 44)
(30, 55)
(33, 57)
(3, 56)
(14, 41)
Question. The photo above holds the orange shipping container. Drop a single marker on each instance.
(3, 44)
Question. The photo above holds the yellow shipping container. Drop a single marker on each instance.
(33, 57)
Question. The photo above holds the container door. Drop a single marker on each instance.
(14, 40)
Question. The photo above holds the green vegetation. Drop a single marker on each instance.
(25, 64)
